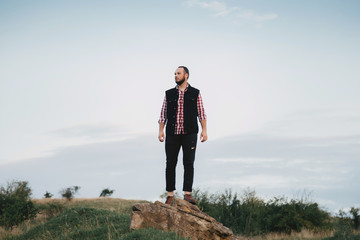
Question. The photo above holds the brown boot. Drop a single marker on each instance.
(187, 197)
(169, 199)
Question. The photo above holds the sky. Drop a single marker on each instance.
(82, 84)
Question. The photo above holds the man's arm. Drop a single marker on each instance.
(161, 131)
(162, 121)
(202, 118)
(203, 136)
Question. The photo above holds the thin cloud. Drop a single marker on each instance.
(88, 131)
(271, 165)
(213, 5)
(222, 9)
(251, 16)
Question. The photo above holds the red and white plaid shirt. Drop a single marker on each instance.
(179, 126)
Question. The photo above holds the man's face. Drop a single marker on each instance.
(180, 74)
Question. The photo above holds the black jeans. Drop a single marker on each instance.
(172, 148)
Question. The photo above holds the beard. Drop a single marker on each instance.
(181, 81)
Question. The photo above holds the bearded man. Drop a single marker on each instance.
(181, 109)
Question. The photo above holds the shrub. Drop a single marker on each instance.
(48, 195)
(356, 217)
(294, 215)
(51, 209)
(342, 225)
(106, 192)
(69, 192)
(250, 215)
(15, 204)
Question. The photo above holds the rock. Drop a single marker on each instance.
(181, 217)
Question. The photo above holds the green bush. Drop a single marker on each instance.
(343, 226)
(69, 192)
(294, 215)
(106, 192)
(356, 217)
(51, 209)
(48, 195)
(250, 215)
(15, 204)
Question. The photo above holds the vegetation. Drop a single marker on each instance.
(51, 209)
(81, 223)
(69, 192)
(151, 234)
(48, 195)
(106, 192)
(101, 218)
(109, 218)
(250, 215)
(344, 225)
(15, 204)
(356, 217)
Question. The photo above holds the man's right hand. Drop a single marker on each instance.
(161, 136)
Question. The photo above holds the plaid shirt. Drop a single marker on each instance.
(179, 126)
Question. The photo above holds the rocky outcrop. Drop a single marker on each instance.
(181, 217)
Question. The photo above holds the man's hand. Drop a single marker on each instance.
(203, 136)
(161, 132)
(161, 136)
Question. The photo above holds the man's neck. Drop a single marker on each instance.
(183, 85)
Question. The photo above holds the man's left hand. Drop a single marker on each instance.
(203, 136)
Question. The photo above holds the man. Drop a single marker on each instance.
(181, 107)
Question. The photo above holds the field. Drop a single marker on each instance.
(103, 218)
(97, 218)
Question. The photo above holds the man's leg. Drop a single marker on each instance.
(189, 147)
(172, 147)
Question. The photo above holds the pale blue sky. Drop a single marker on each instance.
(279, 81)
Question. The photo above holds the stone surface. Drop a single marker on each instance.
(181, 217)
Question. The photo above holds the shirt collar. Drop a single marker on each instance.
(187, 86)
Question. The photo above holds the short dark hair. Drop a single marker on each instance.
(185, 69)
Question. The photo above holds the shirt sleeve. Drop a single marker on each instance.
(201, 110)
(162, 118)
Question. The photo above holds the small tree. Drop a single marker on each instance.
(15, 204)
(356, 217)
(106, 192)
(69, 192)
(48, 195)
(343, 226)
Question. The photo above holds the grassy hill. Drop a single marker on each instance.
(97, 218)
(108, 218)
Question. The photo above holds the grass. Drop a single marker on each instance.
(97, 218)
(109, 218)
(303, 234)
(81, 223)
(250, 215)
(113, 204)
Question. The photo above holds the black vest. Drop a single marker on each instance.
(190, 110)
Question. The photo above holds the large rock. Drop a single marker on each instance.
(181, 217)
